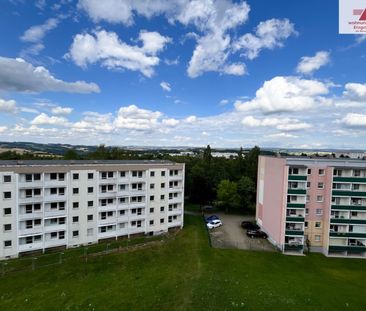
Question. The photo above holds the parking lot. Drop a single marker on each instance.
(231, 235)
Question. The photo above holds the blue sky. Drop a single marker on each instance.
(181, 72)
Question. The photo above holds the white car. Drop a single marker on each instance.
(214, 224)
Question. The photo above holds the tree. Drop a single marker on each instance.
(71, 154)
(207, 156)
(227, 193)
(252, 163)
(246, 191)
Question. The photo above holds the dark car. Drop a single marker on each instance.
(257, 234)
(211, 218)
(249, 225)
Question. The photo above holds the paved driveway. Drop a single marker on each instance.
(231, 235)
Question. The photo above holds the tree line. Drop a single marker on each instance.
(226, 182)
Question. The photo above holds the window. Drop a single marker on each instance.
(7, 243)
(53, 191)
(319, 198)
(317, 238)
(309, 171)
(355, 187)
(7, 211)
(306, 224)
(37, 222)
(75, 219)
(37, 176)
(61, 235)
(319, 211)
(75, 176)
(320, 185)
(7, 195)
(152, 174)
(53, 176)
(162, 197)
(161, 220)
(122, 174)
(53, 235)
(337, 172)
(28, 177)
(306, 211)
(110, 174)
(151, 198)
(75, 190)
(90, 203)
(75, 233)
(7, 227)
(90, 189)
(7, 178)
(161, 208)
(75, 205)
(162, 185)
(294, 171)
(308, 184)
(321, 172)
(357, 173)
(354, 214)
(152, 186)
(307, 198)
(162, 173)
(122, 212)
(318, 224)
(151, 222)
(151, 210)
(90, 175)
(90, 217)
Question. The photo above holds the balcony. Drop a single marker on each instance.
(293, 247)
(176, 223)
(350, 179)
(348, 193)
(137, 217)
(297, 177)
(35, 199)
(54, 213)
(55, 198)
(294, 232)
(347, 221)
(111, 180)
(107, 194)
(30, 231)
(349, 207)
(347, 234)
(353, 249)
(295, 218)
(175, 212)
(296, 205)
(30, 247)
(55, 227)
(25, 216)
(55, 183)
(296, 191)
(54, 243)
(30, 184)
(106, 235)
(108, 221)
(135, 230)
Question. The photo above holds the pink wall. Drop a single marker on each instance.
(272, 178)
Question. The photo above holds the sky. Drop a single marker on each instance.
(181, 73)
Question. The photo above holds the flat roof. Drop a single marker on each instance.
(81, 162)
(339, 163)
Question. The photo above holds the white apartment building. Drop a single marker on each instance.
(48, 204)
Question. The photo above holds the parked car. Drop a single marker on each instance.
(214, 224)
(212, 217)
(207, 208)
(257, 234)
(249, 225)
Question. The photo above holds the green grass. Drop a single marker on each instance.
(186, 274)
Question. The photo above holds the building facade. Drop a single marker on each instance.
(48, 204)
(318, 205)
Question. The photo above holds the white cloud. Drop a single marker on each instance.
(223, 102)
(170, 122)
(360, 39)
(355, 91)
(190, 119)
(282, 124)
(269, 34)
(354, 120)
(19, 75)
(282, 135)
(44, 119)
(166, 86)
(106, 48)
(36, 33)
(212, 18)
(61, 110)
(3, 129)
(8, 106)
(308, 65)
(134, 118)
(286, 94)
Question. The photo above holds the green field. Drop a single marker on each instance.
(186, 274)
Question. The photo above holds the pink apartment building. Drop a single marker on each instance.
(313, 204)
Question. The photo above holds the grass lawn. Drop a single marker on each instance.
(186, 274)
